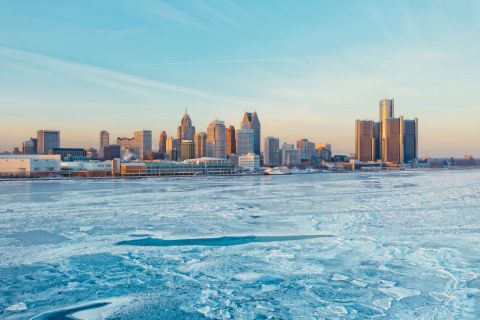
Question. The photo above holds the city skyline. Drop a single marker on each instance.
(309, 70)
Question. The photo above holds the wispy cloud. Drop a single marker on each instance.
(105, 77)
(221, 61)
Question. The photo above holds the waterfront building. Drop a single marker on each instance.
(70, 154)
(245, 141)
(162, 143)
(364, 140)
(143, 142)
(185, 131)
(250, 121)
(392, 143)
(111, 152)
(307, 149)
(377, 149)
(271, 151)
(290, 156)
(104, 141)
(173, 149)
(200, 143)
(29, 146)
(231, 140)
(187, 150)
(47, 140)
(410, 140)
(249, 162)
(216, 140)
(386, 111)
(29, 165)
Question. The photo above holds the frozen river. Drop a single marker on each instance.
(402, 245)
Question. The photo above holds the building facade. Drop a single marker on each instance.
(47, 140)
(245, 141)
(104, 141)
(231, 140)
(187, 150)
(185, 130)
(410, 140)
(200, 142)
(249, 162)
(143, 142)
(306, 148)
(392, 142)
(271, 151)
(162, 143)
(216, 140)
(29, 146)
(250, 121)
(173, 149)
(364, 140)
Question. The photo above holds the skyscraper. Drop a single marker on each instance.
(250, 121)
(245, 141)
(216, 140)
(47, 140)
(185, 130)
(172, 149)
(162, 143)
(386, 111)
(410, 140)
(231, 140)
(187, 150)
(143, 142)
(271, 151)
(200, 142)
(392, 143)
(104, 141)
(364, 140)
(29, 146)
(306, 148)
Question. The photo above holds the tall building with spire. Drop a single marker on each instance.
(216, 140)
(104, 142)
(185, 130)
(250, 121)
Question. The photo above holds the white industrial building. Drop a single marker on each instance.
(29, 165)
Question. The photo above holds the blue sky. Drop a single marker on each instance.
(309, 68)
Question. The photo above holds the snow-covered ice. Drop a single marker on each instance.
(383, 245)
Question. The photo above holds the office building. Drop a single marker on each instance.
(271, 151)
(364, 140)
(172, 149)
(47, 140)
(185, 131)
(104, 141)
(392, 143)
(307, 149)
(162, 143)
(200, 143)
(143, 142)
(216, 140)
(187, 150)
(250, 121)
(111, 152)
(410, 140)
(29, 146)
(249, 162)
(70, 154)
(290, 156)
(324, 151)
(231, 140)
(386, 111)
(245, 141)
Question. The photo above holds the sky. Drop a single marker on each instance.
(309, 68)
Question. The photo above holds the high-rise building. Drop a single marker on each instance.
(250, 121)
(172, 149)
(306, 148)
(377, 149)
(216, 140)
(187, 150)
(364, 140)
(162, 143)
(231, 140)
(47, 140)
(245, 141)
(271, 151)
(410, 140)
(324, 151)
(143, 142)
(29, 146)
(104, 141)
(290, 155)
(111, 152)
(185, 130)
(386, 111)
(392, 143)
(200, 142)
